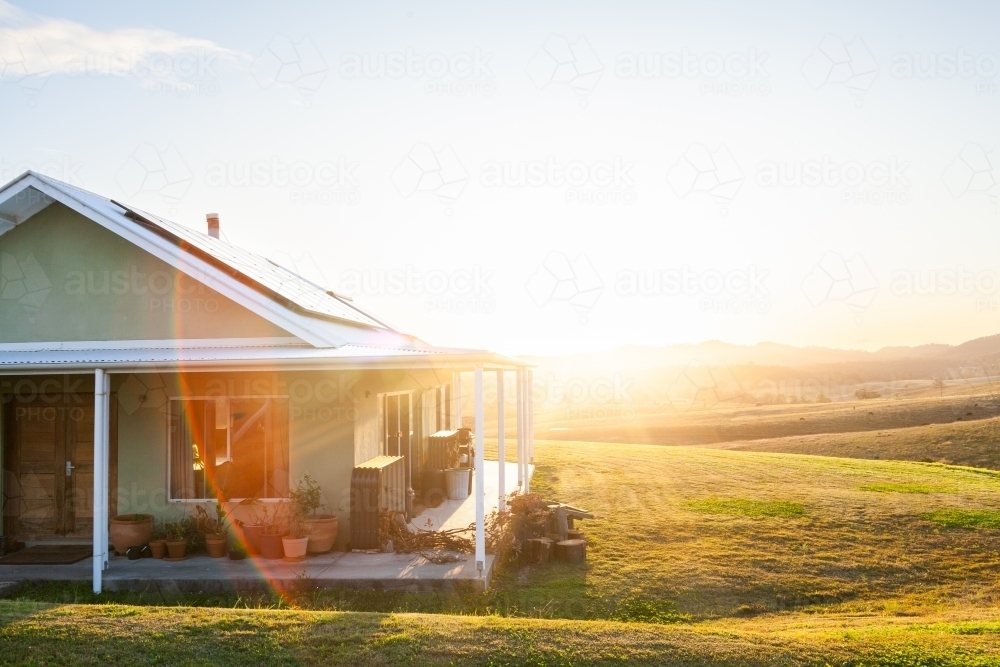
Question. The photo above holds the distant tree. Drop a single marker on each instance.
(864, 394)
(939, 385)
(823, 398)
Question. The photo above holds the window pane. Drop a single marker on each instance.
(189, 435)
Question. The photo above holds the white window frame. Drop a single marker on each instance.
(229, 435)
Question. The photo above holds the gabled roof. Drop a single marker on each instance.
(304, 309)
(328, 330)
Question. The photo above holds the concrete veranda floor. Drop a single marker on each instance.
(380, 571)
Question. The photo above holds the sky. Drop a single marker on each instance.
(550, 178)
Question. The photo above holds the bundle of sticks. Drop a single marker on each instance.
(434, 545)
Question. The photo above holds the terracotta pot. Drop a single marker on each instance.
(295, 548)
(158, 547)
(216, 546)
(271, 547)
(251, 538)
(176, 548)
(236, 554)
(322, 533)
(126, 532)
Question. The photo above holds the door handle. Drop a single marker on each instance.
(69, 468)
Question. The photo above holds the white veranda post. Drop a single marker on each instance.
(100, 551)
(456, 383)
(501, 452)
(480, 472)
(531, 418)
(519, 382)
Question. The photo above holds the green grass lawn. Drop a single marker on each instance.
(705, 556)
(47, 634)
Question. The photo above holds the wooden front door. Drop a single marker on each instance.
(49, 459)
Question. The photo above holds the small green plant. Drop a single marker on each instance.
(175, 530)
(307, 497)
(212, 526)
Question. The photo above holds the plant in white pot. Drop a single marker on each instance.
(296, 542)
(321, 529)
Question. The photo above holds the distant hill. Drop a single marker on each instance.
(974, 352)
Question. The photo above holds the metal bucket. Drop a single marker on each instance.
(457, 481)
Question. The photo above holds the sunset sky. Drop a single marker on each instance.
(647, 173)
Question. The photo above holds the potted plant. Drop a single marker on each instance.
(237, 552)
(247, 523)
(274, 529)
(177, 539)
(321, 529)
(158, 544)
(295, 543)
(214, 530)
(130, 530)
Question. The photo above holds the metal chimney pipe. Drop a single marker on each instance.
(213, 225)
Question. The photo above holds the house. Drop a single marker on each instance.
(147, 367)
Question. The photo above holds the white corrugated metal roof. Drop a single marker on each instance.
(135, 359)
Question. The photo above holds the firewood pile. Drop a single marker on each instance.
(439, 546)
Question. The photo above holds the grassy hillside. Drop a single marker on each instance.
(966, 443)
(679, 425)
(709, 556)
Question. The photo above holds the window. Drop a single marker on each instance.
(228, 448)
(396, 429)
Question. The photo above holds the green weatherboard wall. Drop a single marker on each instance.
(66, 278)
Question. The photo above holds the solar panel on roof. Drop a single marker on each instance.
(275, 277)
